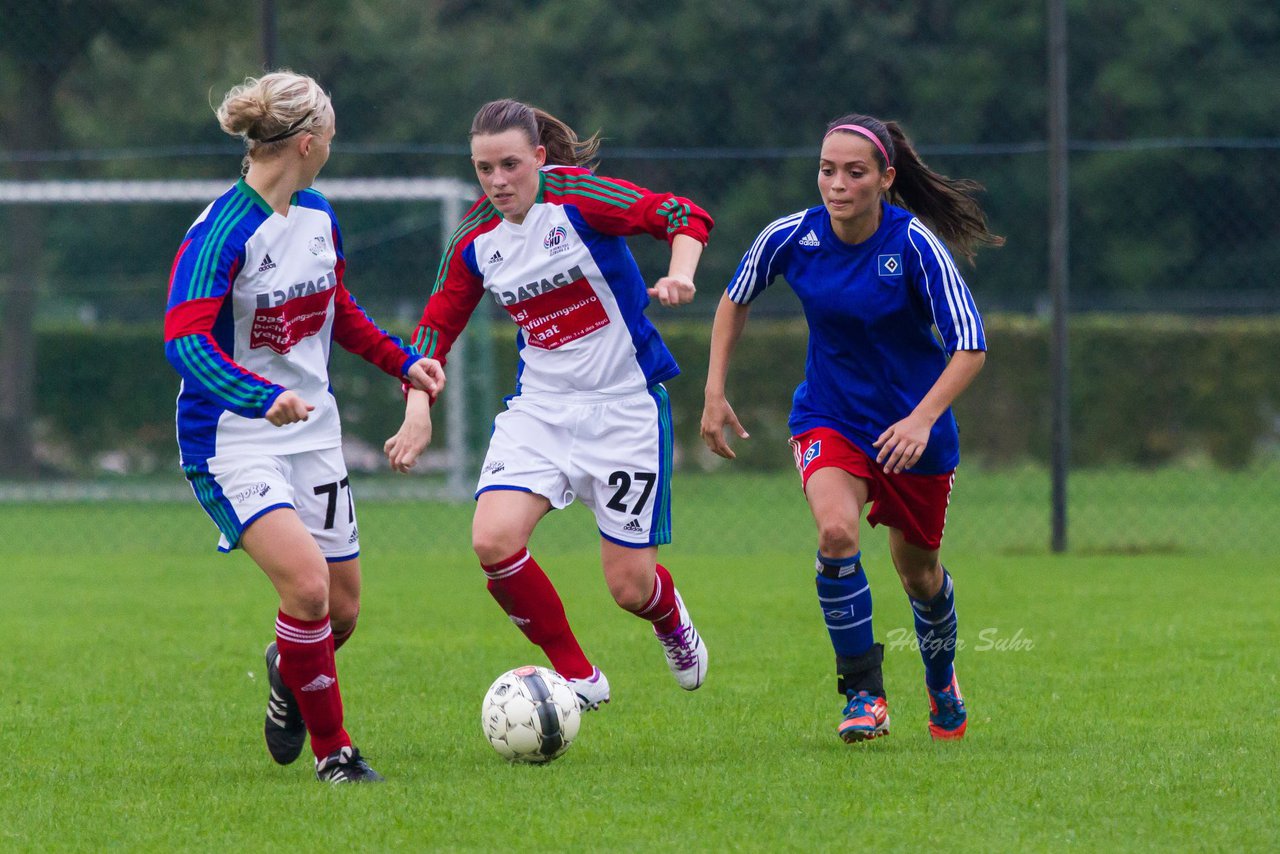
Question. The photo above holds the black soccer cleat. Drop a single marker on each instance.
(284, 729)
(345, 765)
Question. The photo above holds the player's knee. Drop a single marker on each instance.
(307, 597)
(306, 605)
(920, 578)
(493, 545)
(630, 582)
(837, 537)
(343, 614)
(631, 593)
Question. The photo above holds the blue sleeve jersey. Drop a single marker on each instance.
(256, 300)
(872, 310)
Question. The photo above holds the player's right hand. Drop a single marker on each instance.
(426, 375)
(673, 290)
(289, 408)
(716, 415)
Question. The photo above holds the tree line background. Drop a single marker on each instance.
(1173, 122)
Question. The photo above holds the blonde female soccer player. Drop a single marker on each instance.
(256, 296)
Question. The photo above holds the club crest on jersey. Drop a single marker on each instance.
(889, 265)
(317, 245)
(811, 453)
(556, 241)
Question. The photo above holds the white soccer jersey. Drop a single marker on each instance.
(574, 337)
(255, 301)
(568, 281)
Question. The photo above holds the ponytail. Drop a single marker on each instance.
(540, 128)
(948, 205)
(562, 143)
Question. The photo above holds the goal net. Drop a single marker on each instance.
(448, 469)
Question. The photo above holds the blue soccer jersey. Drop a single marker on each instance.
(872, 309)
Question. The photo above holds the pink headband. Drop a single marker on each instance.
(868, 134)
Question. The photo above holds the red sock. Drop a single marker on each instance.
(661, 609)
(523, 590)
(308, 670)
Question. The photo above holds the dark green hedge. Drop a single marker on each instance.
(1144, 390)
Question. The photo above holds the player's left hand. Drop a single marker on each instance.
(902, 445)
(404, 448)
(673, 290)
(426, 375)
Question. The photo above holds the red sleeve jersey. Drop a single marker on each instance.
(568, 280)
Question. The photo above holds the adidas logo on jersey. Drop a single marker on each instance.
(809, 239)
(495, 258)
(267, 264)
(633, 527)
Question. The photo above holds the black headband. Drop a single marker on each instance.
(287, 132)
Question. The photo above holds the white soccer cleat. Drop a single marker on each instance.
(592, 690)
(686, 653)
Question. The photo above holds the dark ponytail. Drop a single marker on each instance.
(540, 128)
(948, 205)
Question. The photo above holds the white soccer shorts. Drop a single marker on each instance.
(236, 490)
(615, 457)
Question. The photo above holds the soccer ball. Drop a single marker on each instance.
(530, 715)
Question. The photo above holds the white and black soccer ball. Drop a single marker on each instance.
(530, 715)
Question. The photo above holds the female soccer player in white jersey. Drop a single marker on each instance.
(590, 418)
(256, 295)
(872, 423)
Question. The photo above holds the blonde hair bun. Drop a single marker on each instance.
(268, 109)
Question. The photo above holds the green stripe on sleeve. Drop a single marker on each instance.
(206, 368)
(482, 214)
(207, 262)
(594, 187)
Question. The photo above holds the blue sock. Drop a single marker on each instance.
(936, 632)
(845, 597)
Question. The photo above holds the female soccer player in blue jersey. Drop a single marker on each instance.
(590, 419)
(256, 296)
(872, 423)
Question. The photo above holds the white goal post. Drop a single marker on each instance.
(453, 195)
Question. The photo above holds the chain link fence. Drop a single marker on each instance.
(1175, 404)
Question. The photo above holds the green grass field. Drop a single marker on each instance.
(1121, 698)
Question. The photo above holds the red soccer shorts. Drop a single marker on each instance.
(915, 504)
